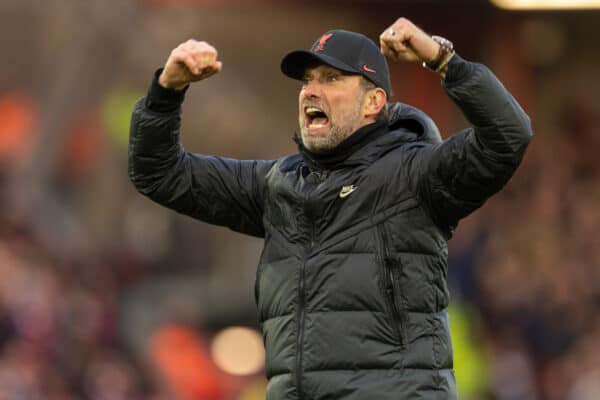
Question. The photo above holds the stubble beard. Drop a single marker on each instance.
(337, 134)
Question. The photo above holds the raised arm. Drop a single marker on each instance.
(216, 190)
(456, 177)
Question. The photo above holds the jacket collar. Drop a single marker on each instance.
(338, 155)
(405, 122)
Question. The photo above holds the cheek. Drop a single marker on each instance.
(340, 111)
(300, 99)
(345, 104)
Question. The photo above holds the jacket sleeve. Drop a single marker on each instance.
(216, 190)
(455, 177)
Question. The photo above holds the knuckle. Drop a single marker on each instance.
(179, 56)
(211, 51)
(182, 52)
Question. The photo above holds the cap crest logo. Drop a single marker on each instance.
(323, 41)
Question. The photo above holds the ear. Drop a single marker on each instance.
(374, 101)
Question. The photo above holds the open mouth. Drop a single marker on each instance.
(315, 117)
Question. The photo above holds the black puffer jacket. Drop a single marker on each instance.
(351, 284)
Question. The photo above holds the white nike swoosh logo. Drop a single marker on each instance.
(346, 190)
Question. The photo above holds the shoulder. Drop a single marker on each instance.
(411, 124)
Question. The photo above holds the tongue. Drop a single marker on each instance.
(319, 121)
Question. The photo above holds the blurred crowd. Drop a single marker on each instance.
(61, 331)
(106, 296)
(67, 328)
(57, 324)
(530, 263)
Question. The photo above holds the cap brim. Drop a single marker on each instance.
(294, 63)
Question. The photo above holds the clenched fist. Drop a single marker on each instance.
(404, 41)
(191, 61)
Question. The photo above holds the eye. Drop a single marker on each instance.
(332, 78)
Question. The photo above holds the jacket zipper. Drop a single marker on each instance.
(302, 313)
(321, 176)
(389, 283)
(300, 330)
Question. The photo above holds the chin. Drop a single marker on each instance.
(317, 146)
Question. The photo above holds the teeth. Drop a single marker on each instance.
(313, 110)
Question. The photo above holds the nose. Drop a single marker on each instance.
(311, 89)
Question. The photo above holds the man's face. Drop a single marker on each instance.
(330, 107)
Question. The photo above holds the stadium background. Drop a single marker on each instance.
(105, 295)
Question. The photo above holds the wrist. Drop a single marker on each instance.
(433, 53)
(439, 64)
(162, 99)
(162, 81)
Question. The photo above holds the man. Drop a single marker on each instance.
(351, 285)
